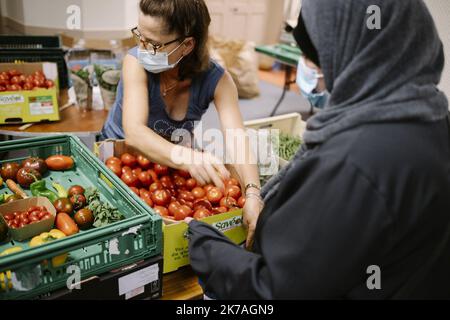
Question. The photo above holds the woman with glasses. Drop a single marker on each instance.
(168, 83)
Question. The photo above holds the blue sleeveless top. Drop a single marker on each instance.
(201, 95)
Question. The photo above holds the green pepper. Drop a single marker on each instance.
(39, 189)
(62, 192)
(2, 198)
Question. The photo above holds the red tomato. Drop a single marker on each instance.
(116, 168)
(59, 163)
(208, 187)
(39, 73)
(220, 210)
(198, 193)
(161, 170)
(187, 196)
(202, 204)
(161, 197)
(15, 80)
(22, 79)
(155, 186)
(191, 184)
(143, 191)
(183, 212)
(126, 169)
(153, 175)
(129, 160)
(174, 207)
(113, 160)
(136, 172)
(233, 191)
(184, 174)
(144, 163)
(147, 197)
(187, 203)
(145, 178)
(214, 195)
(180, 182)
(4, 78)
(166, 182)
(202, 213)
(9, 216)
(49, 84)
(13, 73)
(39, 83)
(28, 87)
(15, 87)
(232, 182)
(2, 88)
(130, 179)
(135, 190)
(228, 202)
(162, 211)
(241, 202)
(47, 216)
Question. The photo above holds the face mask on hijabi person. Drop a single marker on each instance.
(308, 80)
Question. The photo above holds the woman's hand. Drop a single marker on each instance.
(252, 209)
(206, 168)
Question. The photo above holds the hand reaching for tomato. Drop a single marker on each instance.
(206, 169)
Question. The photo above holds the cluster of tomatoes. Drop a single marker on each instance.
(14, 80)
(34, 214)
(174, 194)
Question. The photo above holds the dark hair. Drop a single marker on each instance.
(186, 18)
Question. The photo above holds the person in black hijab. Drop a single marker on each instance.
(370, 188)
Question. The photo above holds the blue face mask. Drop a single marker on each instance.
(159, 62)
(307, 80)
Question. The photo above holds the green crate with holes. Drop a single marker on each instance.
(27, 274)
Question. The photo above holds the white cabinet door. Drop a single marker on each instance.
(239, 19)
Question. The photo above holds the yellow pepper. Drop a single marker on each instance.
(7, 279)
(49, 237)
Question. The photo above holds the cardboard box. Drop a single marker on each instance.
(289, 124)
(30, 106)
(175, 242)
(31, 230)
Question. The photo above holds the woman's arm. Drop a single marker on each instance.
(244, 161)
(136, 113)
(149, 143)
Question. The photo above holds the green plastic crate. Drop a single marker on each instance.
(95, 251)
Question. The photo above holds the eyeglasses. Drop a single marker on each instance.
(148, 45)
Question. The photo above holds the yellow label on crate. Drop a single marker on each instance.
(176, 244)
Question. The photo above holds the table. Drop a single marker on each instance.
(86, 125)
(288, 56)
(181, 285)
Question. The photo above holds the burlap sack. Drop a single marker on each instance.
(241, 61)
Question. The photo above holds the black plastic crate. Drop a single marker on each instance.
(35, 49)
(30, 42)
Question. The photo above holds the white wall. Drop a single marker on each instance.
(97, 15)
(440, 10)
(131, 13)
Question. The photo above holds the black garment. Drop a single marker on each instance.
(301, 36)
(378, 194)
